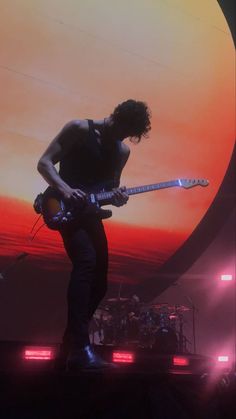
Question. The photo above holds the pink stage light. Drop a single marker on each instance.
(38, 353)
(223, 358)
(123, 357)
(226, 277)
(180, 361)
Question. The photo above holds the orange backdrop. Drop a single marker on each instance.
(76, 59)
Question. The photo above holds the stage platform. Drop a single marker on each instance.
(150, 386)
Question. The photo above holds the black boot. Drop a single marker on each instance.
(86, 359)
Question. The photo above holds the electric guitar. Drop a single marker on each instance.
(57, 211)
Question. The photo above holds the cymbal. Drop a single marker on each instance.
(180, 307)
(117, 300)
(176, 307)
(161, 305)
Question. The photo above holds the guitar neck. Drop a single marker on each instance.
(153, 187)
(101, 196)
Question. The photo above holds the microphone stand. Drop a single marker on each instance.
(194, 309)
(117, 331)
(8, 268)
(193, 323)
(120, 287)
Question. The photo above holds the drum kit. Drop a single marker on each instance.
(128, 322)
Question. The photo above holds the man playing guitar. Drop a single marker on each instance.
(90, 153)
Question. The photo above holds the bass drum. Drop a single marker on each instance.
(166, 341)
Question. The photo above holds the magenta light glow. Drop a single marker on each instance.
(223, 358)
(180, 361)
(38, 353)
(124, 357)
(226, 277)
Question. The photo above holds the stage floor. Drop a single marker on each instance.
(149, 388)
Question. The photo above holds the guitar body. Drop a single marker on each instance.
(57, 212)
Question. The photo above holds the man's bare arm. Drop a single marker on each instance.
(72, 132)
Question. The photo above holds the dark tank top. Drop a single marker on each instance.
(91, 165)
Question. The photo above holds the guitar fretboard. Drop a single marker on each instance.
(140, 189)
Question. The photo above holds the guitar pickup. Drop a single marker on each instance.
(92, 198)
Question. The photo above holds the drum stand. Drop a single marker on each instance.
(182, 338)
(194, 309)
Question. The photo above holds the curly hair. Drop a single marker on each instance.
(134, 116)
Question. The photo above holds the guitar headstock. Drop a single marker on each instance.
(190, 183)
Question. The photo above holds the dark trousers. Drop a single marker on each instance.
(86, 246)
